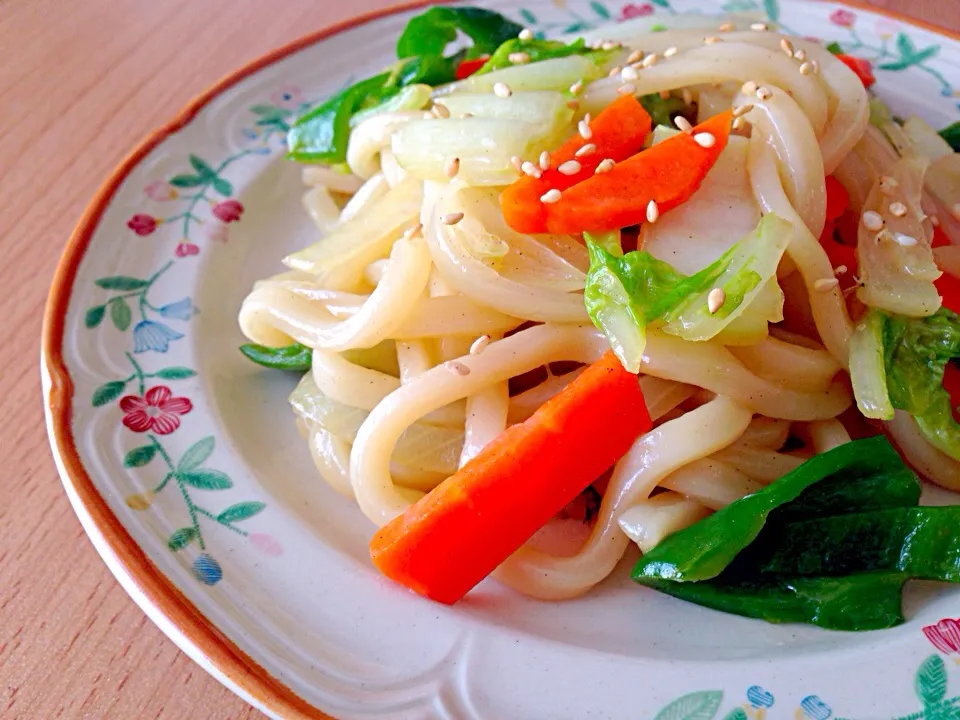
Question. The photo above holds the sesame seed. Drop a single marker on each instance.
(934, 220)
(840, 270)
(882, 236)
(458, 367)
(653, 211)
(715, 300)
(587, 149)
(888, 185)
(528, 168)
(577, 87)
(742, 110)
(452, 167)
(614, 71)
(749, 87)
(526, 34)
(629, 74)
(760, 27)
(705, 140)
(800, 54)
(816, 66)
(587, 118)
(635, 56)
(610, 45)
(764, 93)
(683, 124)
(627, 89)
(550, 196)
(739, 123)
(570, 167)
(544, 160)
(573, 104)
(898, 209)
(501, 89)
(671, 51)
(410, 232)
(786, 46)
(825, 284)
(687, 96)
(464, 116)
(606, 165)
(664, 94)
(441, 110)
(518, 58)
(516, 162)
(872, 220)
(584, 129)
(727, 27)
(480, 344)
(904, 240)
(650, 60)
(711, 40)
(955, 211)
(806, 68)
(451, 218)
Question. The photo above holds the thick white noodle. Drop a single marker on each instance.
(789, 365)
(486, 418)
(828, 434)
(711, 482)
(935, 465)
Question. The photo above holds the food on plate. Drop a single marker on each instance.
(692, 288)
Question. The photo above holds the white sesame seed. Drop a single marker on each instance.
(526, 34)
(501, 89)
(934, 220)
(687, 96)
(544, 160)
(671, 51)
(955, 211)
(606, 165)
(715, 300)
(410, 232)
(550, 196)
(872, 220)
(649, 60)
(727, 27)
(628, 74)
(742, 110)
(584, 129)
(587, 149)
(711, 40)
(441, 110)
(458, 367)
(705, 140)
(840, 270)
(739, 123)
(683, 124)
(577, 87)
(528, 168)
(573, 104)
(627, 89)
(452, 167)
(635, 56)
(518, 58)
(749, 87)
(464, 116)
(764, 93)
(587, 118)
(816, 66)
(570, 167)
(888, 185)
(610, 45)
(786, 46)
(898, 209)
(653, 211)
(480, 344)
(451, 218)
(904, 240)
(825, 284)
(516, 162)
(806, 68)
(614, 71)
(800, 54)
(760, 27)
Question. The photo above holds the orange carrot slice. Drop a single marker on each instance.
(668, 173)
(618, 132)
(456, 535)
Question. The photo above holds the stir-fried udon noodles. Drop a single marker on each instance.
(432, 319)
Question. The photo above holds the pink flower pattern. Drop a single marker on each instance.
(161, 191)
(843, 18)
(157, 410)
(945, 636)
(142, 224)
(631, 11)
(228, 211)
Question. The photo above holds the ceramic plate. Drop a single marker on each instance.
(184, 465)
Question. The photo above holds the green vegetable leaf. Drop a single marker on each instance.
(176, 372)
(196, 454)
(951, 134)
(429, 33)
(186, 181)
(203, 168)
(120, 313)
(205, 479)
(240, 511)
(108, 392)
(94, 316)
(140, 456)
(835, 48)
(540, 50)
(931, 681)
(121, 282)
(425, 71)
(181, 538)
(222, 186)
(663, 110)
(296, 357)
(702, 705)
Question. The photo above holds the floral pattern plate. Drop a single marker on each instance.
(183, 463)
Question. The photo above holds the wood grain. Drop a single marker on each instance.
(81, 83)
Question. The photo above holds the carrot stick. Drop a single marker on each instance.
(618, 132)
(668, 173)
(459, 532)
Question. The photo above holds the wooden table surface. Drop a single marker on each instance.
(80, 83)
